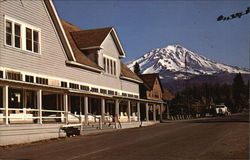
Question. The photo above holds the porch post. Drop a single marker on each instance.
(39, 106)
(80, 114)
(129, 111)
(154, 112)
(103, 109)
(86, 103)
(80, 105)
(138, 112)
(161, 110)
(167, 107)
(6, 103)
(147, 114)
(117, 108)
(66, 109)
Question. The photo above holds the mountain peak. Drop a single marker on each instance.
(178, 62)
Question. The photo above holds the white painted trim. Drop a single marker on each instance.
(116, 39)
(23, 27)
(130, 79)
(109, 57)
(82, 65)
(119, 42)
(62, 29)
(94, 47)
(4, 69)
(21, 22)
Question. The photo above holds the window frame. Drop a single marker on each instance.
(110, 65)
(15, 35)
(22, 37)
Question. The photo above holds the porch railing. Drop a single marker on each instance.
(29, 115)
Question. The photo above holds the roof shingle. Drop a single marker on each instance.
(149, 79)
(90, 38)
(126, 72)
(80, 57)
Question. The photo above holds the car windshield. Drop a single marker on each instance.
(220, 106)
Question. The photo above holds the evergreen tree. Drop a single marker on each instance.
(238, 92)
(137, 69)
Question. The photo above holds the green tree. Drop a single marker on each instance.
(238, 92)
(137, 69)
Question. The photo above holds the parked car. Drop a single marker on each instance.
(222, 110)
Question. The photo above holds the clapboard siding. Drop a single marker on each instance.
(52, 59)
(129, 86)
(110, 49)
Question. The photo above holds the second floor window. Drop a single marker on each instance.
(13, 34)
(17, 35)
(8, 33)
(32, 40)
(28, 39)
(109, 66)
(21, 35)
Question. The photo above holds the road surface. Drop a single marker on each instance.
(212, 138)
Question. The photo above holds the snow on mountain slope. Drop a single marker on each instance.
(177, 62)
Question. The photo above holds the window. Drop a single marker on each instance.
(124, 94)
(109, 66)
(17, 35)
(73, 86)
(14, 75)
(8, 33)
(64, 84)
(103, 91)
(104, 64)
(1, 74)
(94, 89)
(156, 95)
(84, 88)
(29, 78)
(42, 80)
(111, 92)
(130, 95)
(28, 39)
(21, 35)
(36, 41)
(114, 68)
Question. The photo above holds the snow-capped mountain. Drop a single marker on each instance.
(177, 62)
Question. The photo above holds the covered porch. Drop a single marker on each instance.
(25, 103)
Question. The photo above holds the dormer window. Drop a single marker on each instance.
(109, 65)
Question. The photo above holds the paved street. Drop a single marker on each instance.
(213, 138)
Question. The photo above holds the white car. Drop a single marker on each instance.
(222, 110)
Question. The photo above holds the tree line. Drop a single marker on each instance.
(200, 99)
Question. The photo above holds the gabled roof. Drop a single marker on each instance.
(127, 74)
(79, 56)
(69, 38)
(93, 39)
(167, 95)
(149, 80)
(56, 21)
(74, 56)
(90, 38)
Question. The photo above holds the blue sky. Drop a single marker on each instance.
(143, 25)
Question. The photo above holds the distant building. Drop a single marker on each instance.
(151, 89)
